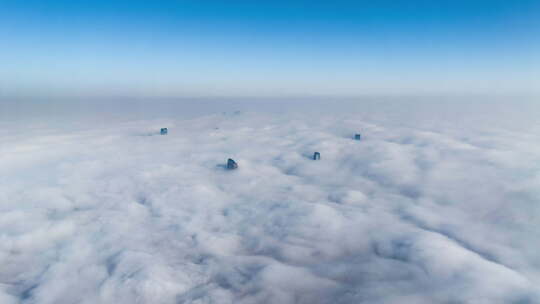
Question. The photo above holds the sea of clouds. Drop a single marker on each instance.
(436, 204)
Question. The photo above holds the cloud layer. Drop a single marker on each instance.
(423, 211)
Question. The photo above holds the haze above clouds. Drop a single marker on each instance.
(436, 204)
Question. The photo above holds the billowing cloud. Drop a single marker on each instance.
(418, 211)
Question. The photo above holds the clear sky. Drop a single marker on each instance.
(269, 48)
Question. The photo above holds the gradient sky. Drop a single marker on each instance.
(269, 48)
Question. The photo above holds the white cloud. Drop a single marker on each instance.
(422, 210)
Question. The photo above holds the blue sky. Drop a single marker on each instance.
(269, 48)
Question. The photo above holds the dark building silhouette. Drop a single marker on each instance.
(164, 131)
(316, 156)
(357, 136)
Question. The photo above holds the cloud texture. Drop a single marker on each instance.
(423, 211)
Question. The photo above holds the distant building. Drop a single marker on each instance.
(316, 156)
(357, 136)
(164, 131)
